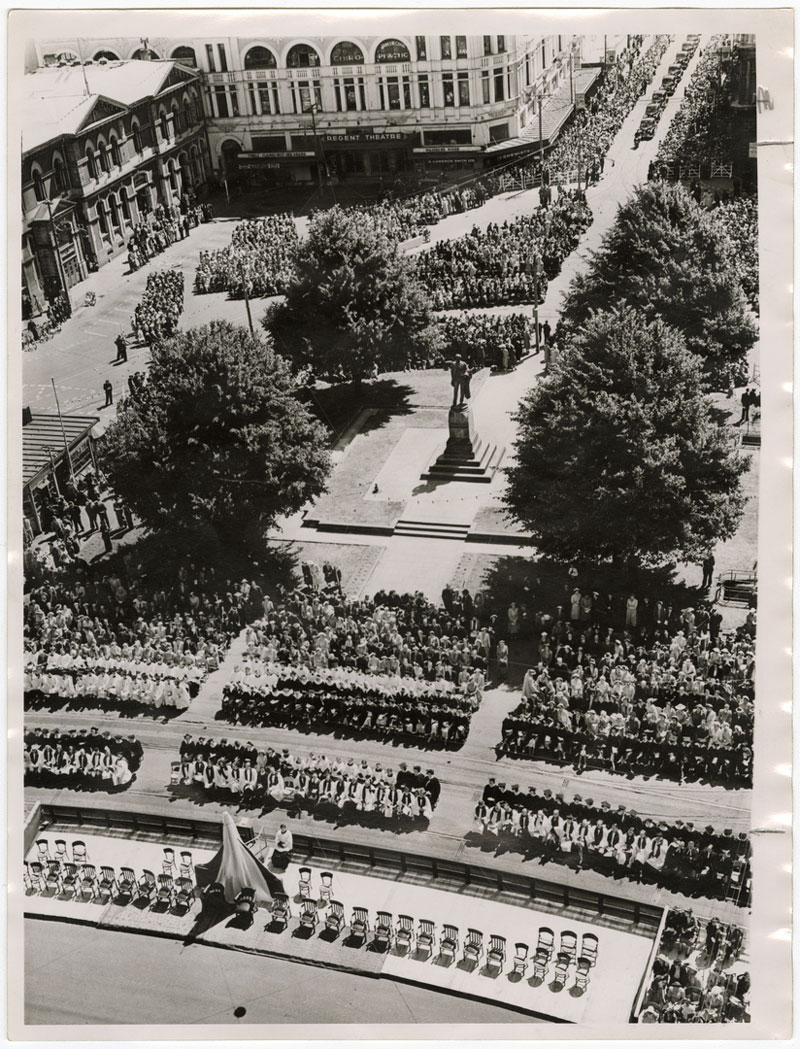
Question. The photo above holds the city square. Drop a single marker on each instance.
(391, 477)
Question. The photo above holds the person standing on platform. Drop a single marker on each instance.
(282, 852)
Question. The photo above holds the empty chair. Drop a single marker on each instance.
(309, 915)
(27, 877)
(166, 889)
(541, 960)
(383, 929)
(184, 892)
(214, 902)
(589, 945)
(473, 946)
(175, 772)
(246, 906)
(448, 945)
(334, 919)
(404, 932)
(146, 886)
(520, 958)
(70, 878)
(168, 864)
(280, 911)
(582, 973)
(496, 955)
(326, 886)
(88, 880)
(426, 936)
(61, 850)
(569, 944)
(305, 883)
(359, 923)
(79, 853)
(187, 865)
(36, 874)
(546, 940)
(107, 882)
(562, 968)
(43, 846)
(52, 876)
(126, 882)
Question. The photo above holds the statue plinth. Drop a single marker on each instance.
(465, 457)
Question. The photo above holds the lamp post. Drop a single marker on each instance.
(318, 153)
(246, 296)
(536, 268)
(59, 263)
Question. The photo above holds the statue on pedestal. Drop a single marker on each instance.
(459, 380)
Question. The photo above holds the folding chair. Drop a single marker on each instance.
(541, 961)
(308, 915)
(146, 885)
(79, 853)
(569, 945)
(280, 911)
(334, 919)
(166, 890)
(359, 923)
(187, 865)
(448, 945)
(175, 772)
(589, 945)
(304, 888)
(61, 850)
(107, 882)
(426, 937)
(404, 933)
(383, 929)
(546, 941)
(126, 883)
(88, 880)
(496, 955)
(520, 958)
(43, 845)
(184, 893)
(246, 904)
(52, 878)
(562, 968)
(473, 946)
(326, 886)
(582, 973)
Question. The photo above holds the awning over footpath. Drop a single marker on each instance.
(43, 441)
(555, 112)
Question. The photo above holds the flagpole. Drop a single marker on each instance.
(63, 432)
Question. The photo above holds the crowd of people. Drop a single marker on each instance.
(77, 759)
(618, 843)
(497, 266)
(491, 340)
(105, 637)
(166, 225)
(260, 259)
(156, 316)
(337, 789)
(691, 979)
(738, 216)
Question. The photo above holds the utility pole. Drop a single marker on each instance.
(318, 153)
(246, 296)
(541, 140)
(59, 263)
(63, 433)
(536, 300)
(571, 80)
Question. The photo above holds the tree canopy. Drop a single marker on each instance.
(354, 302)
(669, 258)
(618, 455)
(216, 436)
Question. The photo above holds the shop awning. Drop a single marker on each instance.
(43, 441)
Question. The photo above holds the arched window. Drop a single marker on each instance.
(392, 51)
(146, 54)
(112, 203)
(38, 186)
(302, 55)
(185, 55)
(101, 218)
(230, 156)
(163, 123)
(60, 174)
(107, 56)
(116, 155)
(346, 54)
(91, 162)
(136, 132)
(102, 153)
(259, 58)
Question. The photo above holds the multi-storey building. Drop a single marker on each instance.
(102, 145)
(364, 107)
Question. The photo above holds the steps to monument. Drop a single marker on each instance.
(432, 530)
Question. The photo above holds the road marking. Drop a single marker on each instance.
(100, 334)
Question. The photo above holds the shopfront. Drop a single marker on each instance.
(363, 155)
(447, 161)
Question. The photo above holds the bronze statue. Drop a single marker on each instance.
(459, 380)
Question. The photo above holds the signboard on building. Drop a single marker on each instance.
(446, 149)
(258, 159)
(580, 101)
(354, 137)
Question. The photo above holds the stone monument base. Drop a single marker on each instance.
(465, 457)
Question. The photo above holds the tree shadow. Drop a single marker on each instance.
(337, 406)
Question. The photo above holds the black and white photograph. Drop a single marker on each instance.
(401, 601)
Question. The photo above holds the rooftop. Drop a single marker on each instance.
(43, 435)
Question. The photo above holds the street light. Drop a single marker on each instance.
(318, 153)
(59, 262)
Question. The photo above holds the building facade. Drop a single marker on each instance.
(303, 109)
(103, 145)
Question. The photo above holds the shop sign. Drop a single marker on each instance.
(354, 137)
(446, 149)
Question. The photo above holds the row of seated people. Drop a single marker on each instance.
(337, 789)
(108, 682)
(618, 843)
(80, 760)
(697, 975)
(140, 626)
(417, 713)
(260, 256)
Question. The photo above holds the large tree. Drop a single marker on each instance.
(354, 302)
(618, 455)
(216, 437)
(669, 258)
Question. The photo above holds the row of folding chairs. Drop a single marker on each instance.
(82, 881)
(77, 853)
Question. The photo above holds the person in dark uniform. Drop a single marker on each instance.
(108, 389)
(122, 348)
